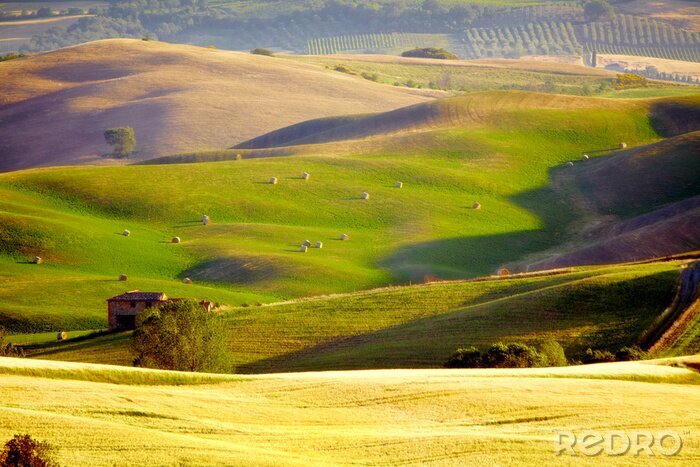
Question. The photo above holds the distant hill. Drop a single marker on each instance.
(54, 107)
(671, 116)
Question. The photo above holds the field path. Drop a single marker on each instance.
(684, 310)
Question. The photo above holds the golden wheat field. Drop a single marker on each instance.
(392, 417)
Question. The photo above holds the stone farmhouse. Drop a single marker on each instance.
(123, 309)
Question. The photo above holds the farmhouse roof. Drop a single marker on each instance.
(137, 295)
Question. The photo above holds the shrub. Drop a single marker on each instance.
(343, 69)
(261, 51)
(430, 52)
(23, 451)
(7, 349)
(181, 336)
(627, 354)
(123, 140)
(512, 355)
(552, 353)
(598, 356)
(465, 358)
(630, 80)
(594, 10)
(370, 76)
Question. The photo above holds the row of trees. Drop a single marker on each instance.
(510, 355)
(546, 353)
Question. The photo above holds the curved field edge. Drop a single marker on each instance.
(420, 326)
(676, 370)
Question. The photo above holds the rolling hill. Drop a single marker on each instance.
(447, 417)
(419, 326)
(506, 150)
(54, 107)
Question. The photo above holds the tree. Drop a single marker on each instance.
(552, 353)
(44, 12)
(593, 10)
(512, 355)
(123, 140)
(23, 451)
(465, 358)
(181, 336)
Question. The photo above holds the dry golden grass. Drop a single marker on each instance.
(177, 98)
(445, 417)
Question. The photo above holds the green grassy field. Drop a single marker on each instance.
(488, 75)
(420, 326)
(447, 417)
(498, 149)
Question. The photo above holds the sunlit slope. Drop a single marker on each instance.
(416, 416)
(55, 106)
(516, 109)
(420, 326)
(73, 216)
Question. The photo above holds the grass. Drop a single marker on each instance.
(496, 148)
(420, 326)
(491, 74)
(379, 417)
(183, 98)
(465, 76)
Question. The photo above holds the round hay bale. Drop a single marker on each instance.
(304, 248)
(319, 244)
(345, 237)
(186, 280)
(476, 205)
(206, 220)
(176, 240)
(365, 195)
(569, 164)
(61, 335)
(123, 277)
(305, 175)
(585, 157)
(503, 272)
(273, 181)
(399, 185)
(126, 233)
(623, 145)
(306, 243)
(38, 260)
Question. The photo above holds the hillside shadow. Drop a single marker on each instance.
(471, 256)
(672, 118)
(77, 72)
(428, 341)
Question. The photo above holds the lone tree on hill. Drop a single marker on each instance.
(123, 140)
(594, 10)
(181, 336)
